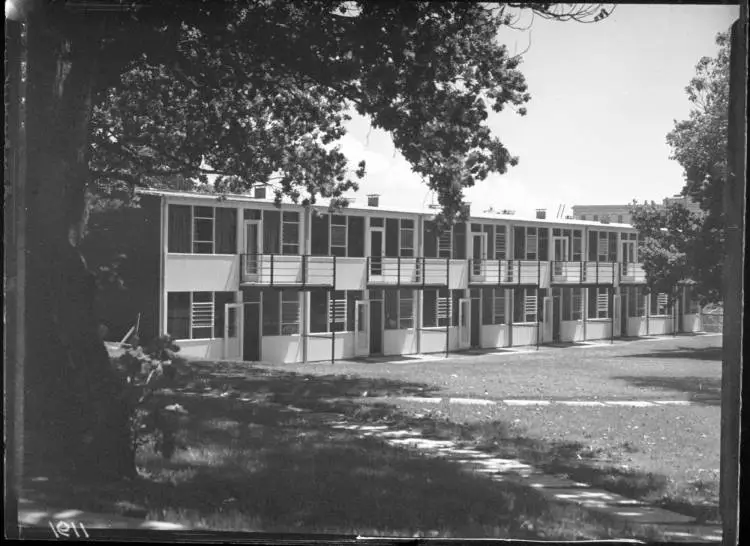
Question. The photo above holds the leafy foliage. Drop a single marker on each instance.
(258, 93)
(145, 371)
(678, 246)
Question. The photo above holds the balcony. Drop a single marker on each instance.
(508, 272)
(583, 272)
(287, 270)
(632, 273)
(410, 271)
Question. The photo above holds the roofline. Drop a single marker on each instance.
(424, 212)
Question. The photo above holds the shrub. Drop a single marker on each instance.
(147, 370)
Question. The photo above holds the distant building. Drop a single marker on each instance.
(620, 214)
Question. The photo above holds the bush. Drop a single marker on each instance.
(147, 370)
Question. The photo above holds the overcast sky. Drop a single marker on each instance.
(603, 98)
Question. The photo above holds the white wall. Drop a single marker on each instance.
(660, 325)
(525, 334)
(598, 329)
(636, 326)
(278, 349)
(400, 342)
(433, 340)
(202, 273)
(571, 330)
(493, 335)
(351, 273)
(319, 348)
(459, 274)
(209, 349)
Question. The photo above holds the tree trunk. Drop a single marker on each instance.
(77, 421)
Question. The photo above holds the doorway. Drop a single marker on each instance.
(376, 321)
(478, 254)
(560, 254)
(251, 337)
(362, 328)
(476, 314)
(464, 323)
(253, 231)
(232, 329)
(556, 315)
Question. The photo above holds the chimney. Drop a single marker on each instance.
(373, 200)
(259, 192)
(541, 214)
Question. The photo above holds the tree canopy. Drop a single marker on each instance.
(259, 92)
(678, 245)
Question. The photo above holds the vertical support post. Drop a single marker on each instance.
(734, 285)
(611, 297)
(271, 269)
(538, 288)
(304, 270)
(333, 314)
(398, 271)
(449, 318)
(648, 311)
(585, 305)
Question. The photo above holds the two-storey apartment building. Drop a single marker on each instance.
(240, 278)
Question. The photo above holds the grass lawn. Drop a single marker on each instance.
(684, 367)
(258, 452)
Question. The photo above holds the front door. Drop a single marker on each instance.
(361, 328)
(556, 315)
(476, 315)
(251, 268)
(232, 329)
(478, 254)
(376, 252)
(464, 323)
(251, 338)
(560, 246)
(376, 322)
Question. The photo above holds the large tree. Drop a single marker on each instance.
(255, 91)
(699, 145)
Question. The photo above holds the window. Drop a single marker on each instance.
(338, 235)
(436, 307)
(659, 304)
(318, 311)
(225, 236)
(289, 312)
(202, 315)
(598, 306)
(178, 315)
(203, 230)
(444, 244)
(271, 231)
(493, 305)
(577, 245)
(459, 241)
(407, 238)
(319, 235)
(356, 236)
(290, 233)
(619, 218)
(524, 305)
(500, 243)
(572, 303)
(526, 242)
(596, 217)
(636, 305)
(337, 311)
(399, 309)
(583, 216)
(179, 234)
(531, 243)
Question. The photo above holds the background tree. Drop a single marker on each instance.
(699, 144)
(254, 91)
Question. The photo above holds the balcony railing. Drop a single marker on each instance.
(287, 270)
(507, 271)
(409, 271)
(632, 272)
(583, 272)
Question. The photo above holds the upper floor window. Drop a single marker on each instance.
(619, 219)
(530, 243)
(338, 235)
(202, 230)
(602, 246)
(583, 216)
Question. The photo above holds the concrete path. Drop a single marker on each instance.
(537, 402)
(673, 526)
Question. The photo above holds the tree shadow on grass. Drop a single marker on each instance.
(702, 390)
(259, 454)
(702, 353)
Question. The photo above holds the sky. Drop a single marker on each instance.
(603, 98)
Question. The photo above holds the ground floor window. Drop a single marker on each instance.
(635, 300)
(493, 306)
(525, 304)
(599, 298)
(572, 303)
(197, 315)
(659, 304)
(399, 308)
(281, 312)
(440, 307)
(333, 311)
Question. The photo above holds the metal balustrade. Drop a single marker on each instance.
(287, 270)
(583, 272)
(305, 270)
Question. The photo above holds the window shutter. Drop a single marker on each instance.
(203, 314)
(602, 303)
